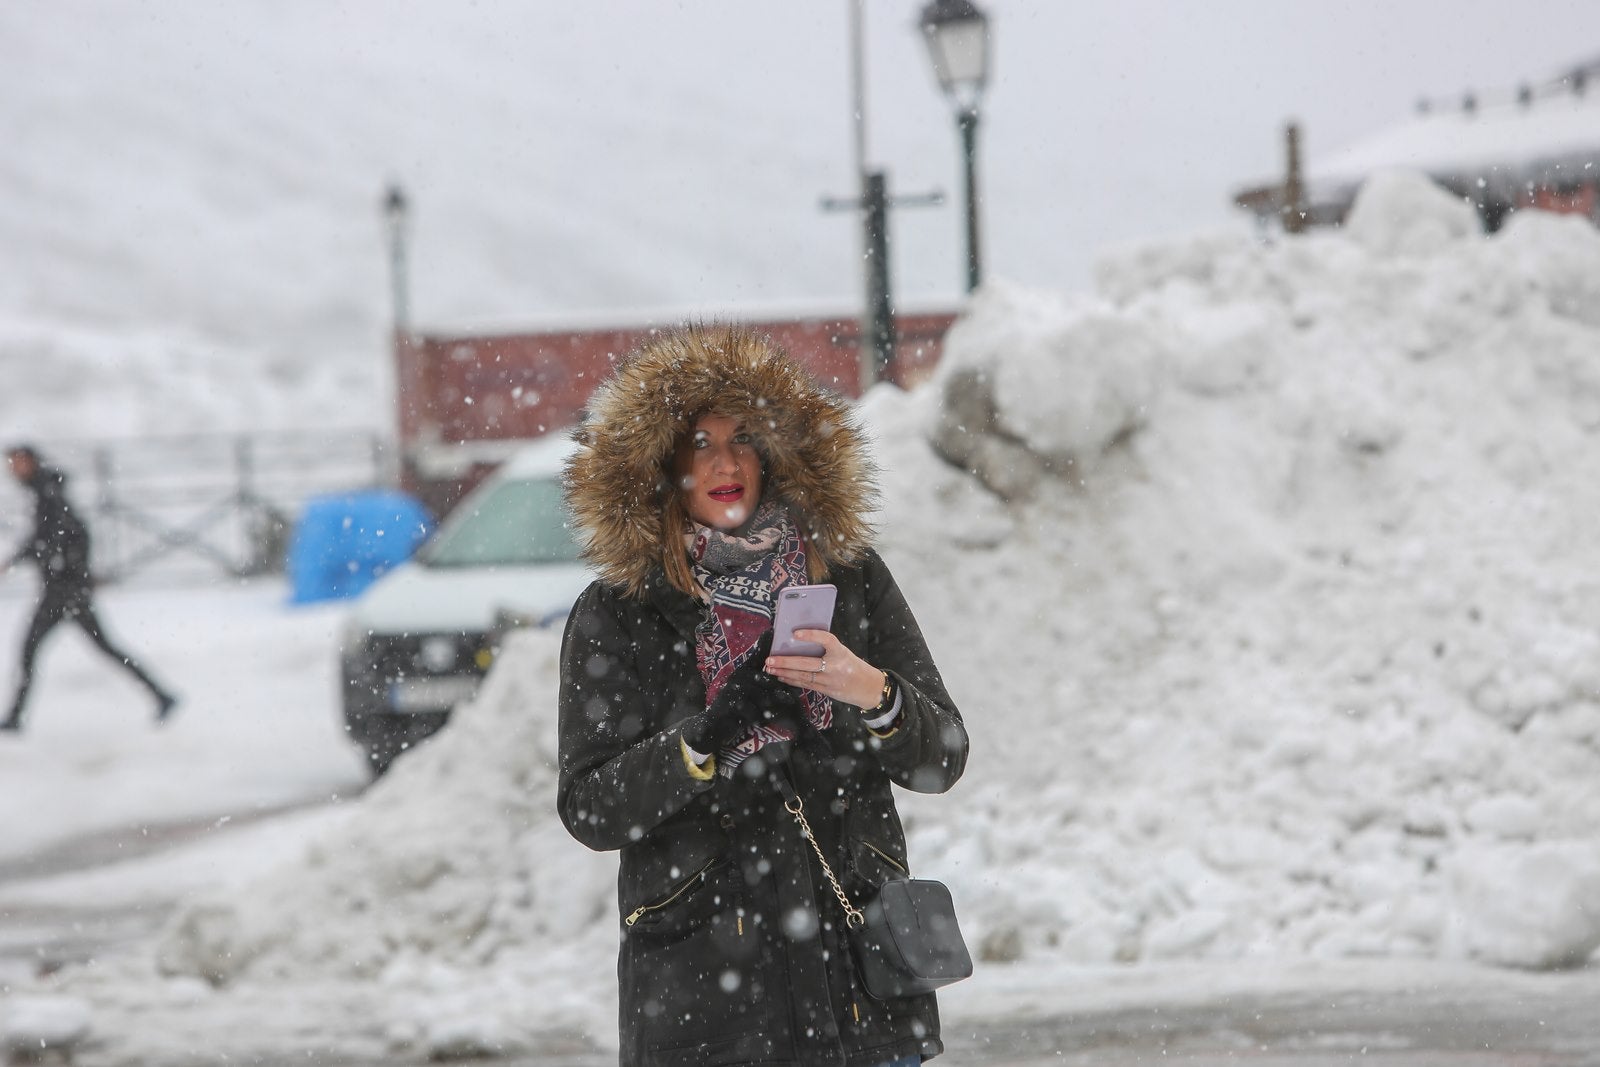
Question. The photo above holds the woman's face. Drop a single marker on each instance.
(719, 472)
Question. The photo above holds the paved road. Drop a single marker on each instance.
(1531, 1022)
(1458, 1029)
(38, 939)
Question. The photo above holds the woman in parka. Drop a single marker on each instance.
(711, 472)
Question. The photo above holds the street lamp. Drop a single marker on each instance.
(394, 216)
(957, 35)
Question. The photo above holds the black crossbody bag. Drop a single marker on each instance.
(906, 940)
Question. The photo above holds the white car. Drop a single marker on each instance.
(419, 640)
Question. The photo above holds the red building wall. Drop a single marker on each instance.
(456, 390)
(1573, 200)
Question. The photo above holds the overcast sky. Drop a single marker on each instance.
(216, 164)
(1147, 114)
(1106, 121)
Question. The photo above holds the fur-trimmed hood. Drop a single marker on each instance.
(617, 479)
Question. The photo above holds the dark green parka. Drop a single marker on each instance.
(733, 948)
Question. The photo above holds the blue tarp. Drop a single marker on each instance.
(345, 542)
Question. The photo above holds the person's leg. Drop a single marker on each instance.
(51, 610)
(83, 611)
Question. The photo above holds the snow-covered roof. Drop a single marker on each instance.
(1549, 135)
(1544, 139)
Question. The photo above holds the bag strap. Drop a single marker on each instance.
(796, 807)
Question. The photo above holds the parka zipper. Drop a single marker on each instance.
(641, 912)
(896, 864)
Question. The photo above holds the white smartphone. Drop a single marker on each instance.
(801, 607)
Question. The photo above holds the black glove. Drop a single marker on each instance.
(749, 696)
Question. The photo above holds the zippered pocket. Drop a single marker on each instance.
(678, 893)
(890, 860)
(872, 865)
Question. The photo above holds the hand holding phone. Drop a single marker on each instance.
(801, 607)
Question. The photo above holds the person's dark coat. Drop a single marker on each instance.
(733, 947)
(59, 543)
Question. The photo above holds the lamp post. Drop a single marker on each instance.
(957, 36)
(395, 210)
(414, 407)
(877, 344)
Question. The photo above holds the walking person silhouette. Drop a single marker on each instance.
(59, 547)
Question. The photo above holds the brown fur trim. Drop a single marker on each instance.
(618, 479)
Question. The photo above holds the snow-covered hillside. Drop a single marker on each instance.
(192, 222)
(189, 210)
(1269, 597)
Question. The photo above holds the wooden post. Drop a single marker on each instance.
(1294, 212)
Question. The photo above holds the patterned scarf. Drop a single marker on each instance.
(743, 573)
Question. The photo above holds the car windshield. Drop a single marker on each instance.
(516, 523)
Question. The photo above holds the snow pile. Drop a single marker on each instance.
(1402, 213)
(1301, 656)
(1047, 393)
(452, 865)
(1268, 594)
(41, 1027)
(1528, 904)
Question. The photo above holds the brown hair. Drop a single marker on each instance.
(675, 518)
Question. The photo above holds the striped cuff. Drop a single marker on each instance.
(887, 723)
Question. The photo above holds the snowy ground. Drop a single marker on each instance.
(256, 729)
(1030, 1012)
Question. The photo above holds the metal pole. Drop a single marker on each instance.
(244, 492)
(967, 120)
(879, 340)
(381, 474)
(109, 535)
(243, 469)
(394, 205)
(858, 85)
(866, 352)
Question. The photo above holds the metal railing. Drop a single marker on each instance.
(192, 506)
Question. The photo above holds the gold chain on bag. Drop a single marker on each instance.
(853, 916)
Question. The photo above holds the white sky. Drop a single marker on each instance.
(1104, 121)
(1135, 119)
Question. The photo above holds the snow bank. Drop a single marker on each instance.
(1032, 387)
(1400, 213)
(1266, 582)
(448, 884)
(42, 1027)
(1534, 905)
(446, 836)
(1306, 662)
